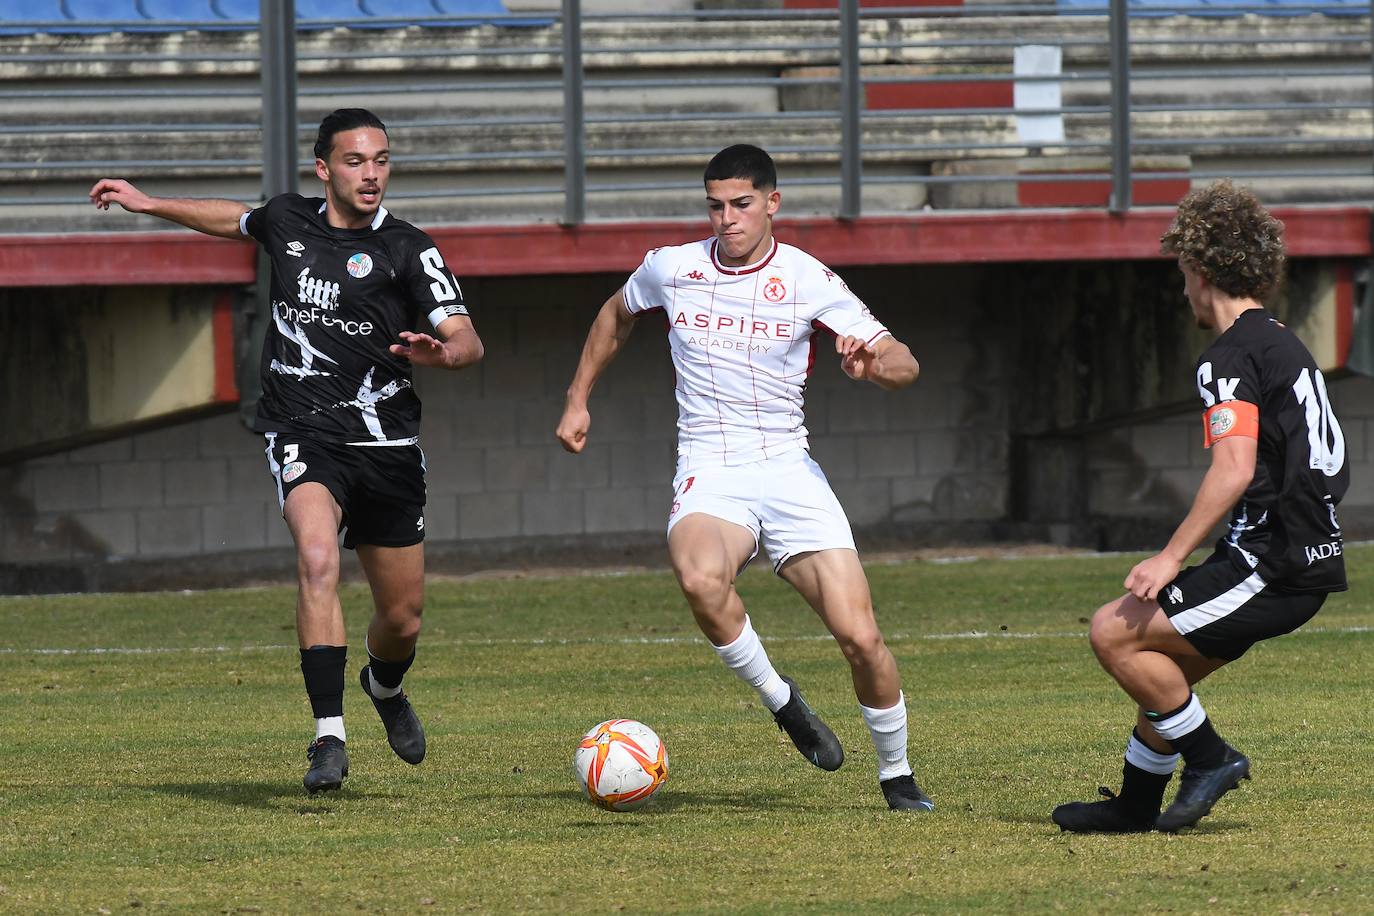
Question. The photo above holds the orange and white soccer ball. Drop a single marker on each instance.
(621, 763)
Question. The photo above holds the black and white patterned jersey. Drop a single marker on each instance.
(340, 297)
(1257, 379)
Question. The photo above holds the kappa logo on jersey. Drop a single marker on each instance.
(695, 275)
(1175, 594)
(314, 291)
(292, 471)
(774, 290)
(295, 248)
(360, 265)
(830, 275)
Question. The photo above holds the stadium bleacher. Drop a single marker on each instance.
(199, 12)
(18, 17)
(94, 16)
(1221, 8)
(23, 17)
(478, 113)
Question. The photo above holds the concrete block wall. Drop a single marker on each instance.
(1153, 469)
(195, 488)
(936, 451)
(932, 462)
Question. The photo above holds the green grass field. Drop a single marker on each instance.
(153, 745)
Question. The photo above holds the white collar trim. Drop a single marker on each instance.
(376, 220)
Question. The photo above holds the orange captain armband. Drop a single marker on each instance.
(1229, 418)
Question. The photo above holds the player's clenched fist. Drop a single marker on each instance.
(572, 428)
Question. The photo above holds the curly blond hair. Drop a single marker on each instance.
(1225, 234)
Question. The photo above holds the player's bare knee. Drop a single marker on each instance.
(1106, 634)
(317, 567)
(400, 621)
(704, 585)
(863, 649)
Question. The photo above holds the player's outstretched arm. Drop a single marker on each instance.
(1232, 470)
(456, 346)
(888, 363)
(211, 216)
(608, 334)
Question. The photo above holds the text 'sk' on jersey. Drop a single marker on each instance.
(1285, 524)
(742, 344)
(340, 298)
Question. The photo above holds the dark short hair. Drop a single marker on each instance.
(340, 121)
(743, 161)
(1225, 234)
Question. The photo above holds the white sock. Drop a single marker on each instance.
(1143, 757)
(330, 725)
(1183, 722)
(745, 657)
(377, 690)
(888, 728)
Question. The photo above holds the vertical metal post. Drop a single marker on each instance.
(277, 36)
(851, 108)
(574, 124)
(277, 49)
(1120, 63)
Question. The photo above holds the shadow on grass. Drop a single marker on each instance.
(1221, 825)
(262, 795)
(730, 801)
(670, 799)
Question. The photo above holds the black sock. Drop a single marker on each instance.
(323, 668)
(1201, 746)
(1141, 790)
(389, 674)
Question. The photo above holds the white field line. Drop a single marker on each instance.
(594, 641)
(539, 574)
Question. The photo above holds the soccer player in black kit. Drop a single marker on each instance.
(1278, 466)
(339, 414)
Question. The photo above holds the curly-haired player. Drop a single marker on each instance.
(1278, 465)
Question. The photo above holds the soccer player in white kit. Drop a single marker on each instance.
(742, 312)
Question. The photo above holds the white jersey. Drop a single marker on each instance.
(742, 343)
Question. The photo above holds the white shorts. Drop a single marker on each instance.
(786, 503)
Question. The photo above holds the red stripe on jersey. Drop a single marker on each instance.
(811, 354)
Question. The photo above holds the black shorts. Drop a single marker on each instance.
(1223, 609)
(380, 488)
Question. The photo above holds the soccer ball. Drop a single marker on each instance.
(621, 763)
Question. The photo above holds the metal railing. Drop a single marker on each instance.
(572, 108)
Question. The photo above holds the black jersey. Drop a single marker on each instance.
(340, 297)
(1285, 524)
